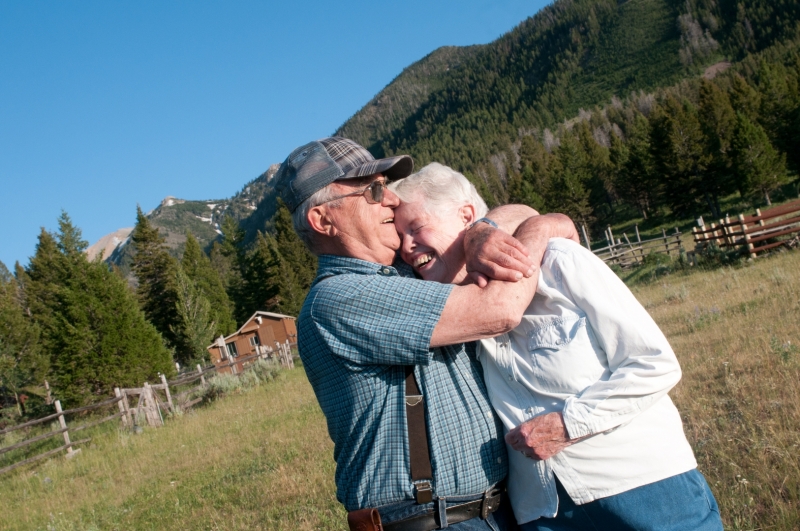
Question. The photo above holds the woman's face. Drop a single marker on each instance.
(433, 245)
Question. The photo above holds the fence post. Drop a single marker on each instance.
(633, 252)
(586, 237)
(121, 406)
(666, 243)
(747, 245)
(152, 414)
(49, 399)
(169, 396)
(758, 213)
(203, 378)
(63, 423)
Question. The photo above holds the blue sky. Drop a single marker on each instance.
(106, 105)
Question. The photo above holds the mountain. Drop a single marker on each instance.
(471, 109)
(174, 217)
(476, 108)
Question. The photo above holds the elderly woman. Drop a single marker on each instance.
(581, 384)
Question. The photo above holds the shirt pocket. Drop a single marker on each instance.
(563, 355)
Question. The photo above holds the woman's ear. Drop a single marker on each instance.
(467, 214)
(320, 221)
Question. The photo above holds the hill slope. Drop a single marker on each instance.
(573, 54)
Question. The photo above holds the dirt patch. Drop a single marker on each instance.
(715, 69)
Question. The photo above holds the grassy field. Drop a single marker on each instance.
(263, 460)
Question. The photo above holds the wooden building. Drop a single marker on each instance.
(258, 335)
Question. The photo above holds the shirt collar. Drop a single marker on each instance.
(330, 265)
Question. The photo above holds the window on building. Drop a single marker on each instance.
(232, 350)
(254, 341)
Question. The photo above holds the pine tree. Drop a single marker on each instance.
(197, 327)
(530, 185)
(228, 258)
(598, 165)
(680, 156)
(291, 248)
(94, 333)
(718, 120)
(197, 266)
(260, 281)
(567, 192)
(22, 361)
(5, 274)
(155, 272)
(744, 98)
(756, 164)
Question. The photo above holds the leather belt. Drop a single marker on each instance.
(456, 513)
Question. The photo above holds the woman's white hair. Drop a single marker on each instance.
(441, 188)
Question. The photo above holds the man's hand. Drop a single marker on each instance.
(541, 437)
(494, 254)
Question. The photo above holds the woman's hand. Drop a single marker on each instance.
(541, 437)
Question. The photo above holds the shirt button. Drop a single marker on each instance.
(510, 378)
(489, 414)
(385, 271)
(499, 460)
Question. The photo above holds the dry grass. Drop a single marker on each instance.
(736, 333)
(263, 460)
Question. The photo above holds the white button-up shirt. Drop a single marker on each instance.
(588, 349)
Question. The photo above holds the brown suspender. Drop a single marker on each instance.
(421, 473)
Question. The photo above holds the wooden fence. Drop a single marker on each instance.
(629, 253)
(62, 430)
(750, 234)
(151, 402)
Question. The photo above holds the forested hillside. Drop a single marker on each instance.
(509, 109)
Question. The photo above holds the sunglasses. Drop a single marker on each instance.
(372, 193)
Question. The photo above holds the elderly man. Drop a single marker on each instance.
(369, 333)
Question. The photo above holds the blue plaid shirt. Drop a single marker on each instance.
(360, 324)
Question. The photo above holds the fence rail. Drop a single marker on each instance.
(149, 406)
(629, 253)
(747, 232)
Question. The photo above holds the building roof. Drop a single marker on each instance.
(257, 314)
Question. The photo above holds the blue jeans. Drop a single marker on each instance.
(680, 503)
(500, 520)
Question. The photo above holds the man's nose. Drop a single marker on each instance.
(390, 199)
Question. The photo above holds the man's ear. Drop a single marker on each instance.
(467, 214)
(320, 221)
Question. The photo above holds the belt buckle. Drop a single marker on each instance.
(424, 492)
(490, 502)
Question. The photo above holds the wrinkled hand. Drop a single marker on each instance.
(541, 437)
(494, 254)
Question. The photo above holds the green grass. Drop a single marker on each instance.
(255, 460)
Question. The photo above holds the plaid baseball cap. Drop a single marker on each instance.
(317, 164)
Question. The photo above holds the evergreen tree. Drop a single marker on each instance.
(718, 120)
(197, 266)
(529, 187)
(22, 361)
(197, 327)
(630, 186)
(567, 192)
(228, 258)
(598, 165)
(93, 330)
(744, 98)
(260, 282)
(756, 164)
(5, 274)
(680, 156)
(291, 248)
(155, 272)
